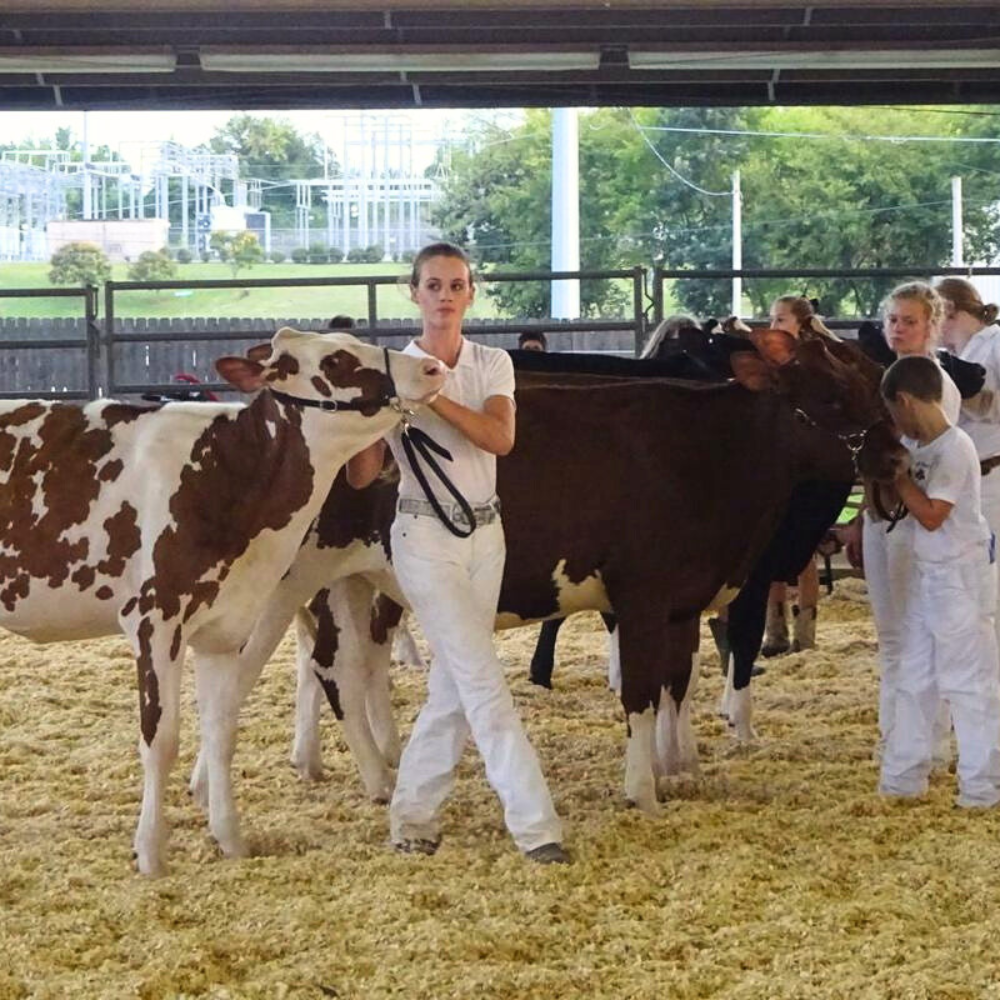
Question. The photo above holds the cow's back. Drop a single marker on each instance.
(625, 480)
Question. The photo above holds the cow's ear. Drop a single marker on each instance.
(776, 345)
(260, 352)
(246, 375)
(752, 371)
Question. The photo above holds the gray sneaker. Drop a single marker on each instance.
(548, 854)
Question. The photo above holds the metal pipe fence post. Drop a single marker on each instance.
(638, 293)
(372, 309)
(657, 294)
(109, 338)
(93, 341)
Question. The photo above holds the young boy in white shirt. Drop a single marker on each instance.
(949, 643)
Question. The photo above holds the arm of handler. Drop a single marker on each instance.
(366, 465)
(930, 514)
(492, 429)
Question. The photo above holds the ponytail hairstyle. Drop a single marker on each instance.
(804, 311)
(965, 297)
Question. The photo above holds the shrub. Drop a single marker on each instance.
(356, 255)
(153, 265)
(276, 257)
(319, 253)
(300, 255)
(184, 256)
(239, 249)
(335, 254)
(79, 264)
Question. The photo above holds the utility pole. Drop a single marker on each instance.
(737, 302)
(565, 211)
(957, 252)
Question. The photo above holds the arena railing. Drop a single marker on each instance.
(43, 361)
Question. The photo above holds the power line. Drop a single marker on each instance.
(844, 136)
(680, 177)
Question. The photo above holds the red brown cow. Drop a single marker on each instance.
(174, 524)
(650, 496)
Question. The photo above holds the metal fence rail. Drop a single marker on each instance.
(53, 367)
(88, 357)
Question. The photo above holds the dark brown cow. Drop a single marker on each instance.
(653, 497)
(174, 524)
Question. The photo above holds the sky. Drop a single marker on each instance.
(123, 131)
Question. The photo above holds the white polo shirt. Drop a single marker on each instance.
(480, 372)
(984, 427)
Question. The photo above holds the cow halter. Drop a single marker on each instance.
(854, 441)
(390, 398)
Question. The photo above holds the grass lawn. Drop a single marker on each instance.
(288, 303)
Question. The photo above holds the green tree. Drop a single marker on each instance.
(153, 265)
(496, 201)
(272, 150)
(79, 264)
(239, 250)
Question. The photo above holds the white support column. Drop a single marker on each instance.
(957, 250)
(565, 211)
(737, 303)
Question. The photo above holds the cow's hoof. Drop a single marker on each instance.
(308, 769)
(540, 681)
(150, 865)
(775, 647)
(647, 805)
(234, 848)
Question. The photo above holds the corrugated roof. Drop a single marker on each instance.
(470, 53)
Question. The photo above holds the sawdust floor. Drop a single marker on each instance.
(778, 874)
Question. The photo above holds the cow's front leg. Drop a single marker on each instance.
(677, 748)
(641, 642)
(307, 754)
(267, 633)
(339, 658)
(379, 701)
(746, 630)
(220, 695)
(159, 656)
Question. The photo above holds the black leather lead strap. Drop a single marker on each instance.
(418, 445)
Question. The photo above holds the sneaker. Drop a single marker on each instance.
(548, 854)
(416, 845)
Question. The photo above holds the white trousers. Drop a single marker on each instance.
(453, 585)
(990, 501)
(949, 652)
(888, 559)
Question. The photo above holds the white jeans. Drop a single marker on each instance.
(990, 500)
(453, 585)
(949, 652)
(888, 556)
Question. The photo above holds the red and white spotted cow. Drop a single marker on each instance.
(174, 524)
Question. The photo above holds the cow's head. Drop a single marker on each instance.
(334, 369)
(882, 457)
(833, 383)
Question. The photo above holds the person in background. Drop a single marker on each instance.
(452, 583)
(532, 340)
(340, 322)
(668, 329)
(795, 314)
(949, 648)
(912, 317)
(970, 331)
